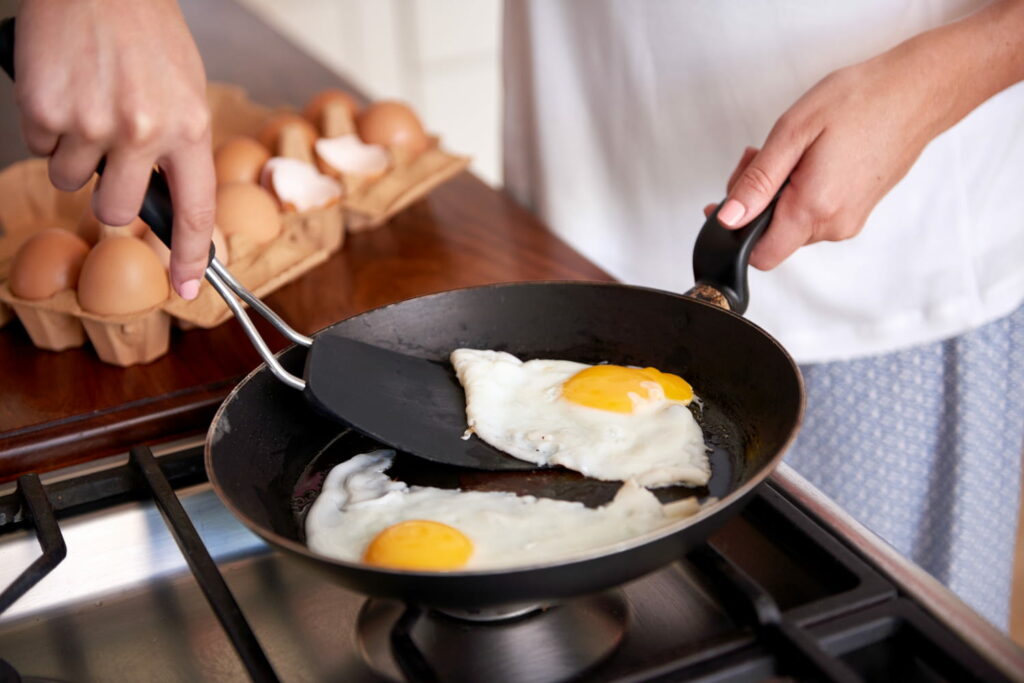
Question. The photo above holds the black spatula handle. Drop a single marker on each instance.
(721, 256)
(157, 210)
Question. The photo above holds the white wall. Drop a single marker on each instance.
(442, 56)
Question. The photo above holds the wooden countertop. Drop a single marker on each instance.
(67, 407)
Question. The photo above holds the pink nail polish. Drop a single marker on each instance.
(731, 213)
(189, 290)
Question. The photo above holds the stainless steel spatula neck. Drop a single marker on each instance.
(231, 290)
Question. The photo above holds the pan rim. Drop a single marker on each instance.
(734, 496)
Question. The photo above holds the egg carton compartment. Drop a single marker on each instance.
(51, 323)
(59, 323)
(411, 177)
(30, 203)
(306, 241)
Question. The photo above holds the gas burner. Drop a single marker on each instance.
(549, 644)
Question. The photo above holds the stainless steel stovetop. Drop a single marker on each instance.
(123, 604)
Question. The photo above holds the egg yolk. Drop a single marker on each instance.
(608, 387)
(419, 544)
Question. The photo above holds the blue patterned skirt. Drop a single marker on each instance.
(924, 447)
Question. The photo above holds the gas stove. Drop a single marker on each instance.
(131, 569)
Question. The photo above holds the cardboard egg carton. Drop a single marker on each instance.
(306, 240)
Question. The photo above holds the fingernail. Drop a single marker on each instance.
(189, 290)
(731, 212)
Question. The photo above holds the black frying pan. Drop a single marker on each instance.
(267, 454)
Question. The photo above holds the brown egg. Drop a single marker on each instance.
(47, 263)
(164, 254)
(247, 209)
(391, 124)
(92, 231)
(240, 160)
(315, 107)
(121, 275)
(272, 130)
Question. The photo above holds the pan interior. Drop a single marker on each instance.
(269, 452)
(554, 482)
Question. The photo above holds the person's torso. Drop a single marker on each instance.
(623, 119)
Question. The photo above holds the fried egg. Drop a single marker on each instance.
(362, 515)
(608, 422)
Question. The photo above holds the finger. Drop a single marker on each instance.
(748, 154)
(42, 117)
(39, 140)
(762, 177)
(192, 182)
(790, 229)
(119, 193)
(73, 162)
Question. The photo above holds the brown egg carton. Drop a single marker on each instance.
(59, 323)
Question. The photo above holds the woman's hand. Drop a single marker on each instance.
(854, 135)
(121, 78)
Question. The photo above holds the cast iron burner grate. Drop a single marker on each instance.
(822, 615)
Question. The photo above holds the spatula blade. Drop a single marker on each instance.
(408, 403)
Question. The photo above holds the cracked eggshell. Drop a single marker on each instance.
(46, 263)
(248, 209)
(350, 155)
(392, 124)
(240, 160)
(314, 110)
(121, 275)
(92, 230)
(270, 136)
(298, 185)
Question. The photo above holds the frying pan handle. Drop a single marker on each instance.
(7, 46)
(721, 256)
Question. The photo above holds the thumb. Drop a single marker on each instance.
(756, 185)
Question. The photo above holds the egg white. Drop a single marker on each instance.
(358, 501)
(518, 408)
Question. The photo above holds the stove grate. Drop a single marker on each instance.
(35, 507)
(799, 655)
(210, 580)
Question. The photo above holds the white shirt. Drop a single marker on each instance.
(623, 119)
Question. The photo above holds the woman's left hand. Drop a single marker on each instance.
(855, 134)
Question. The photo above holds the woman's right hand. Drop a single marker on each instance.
(121, 79)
